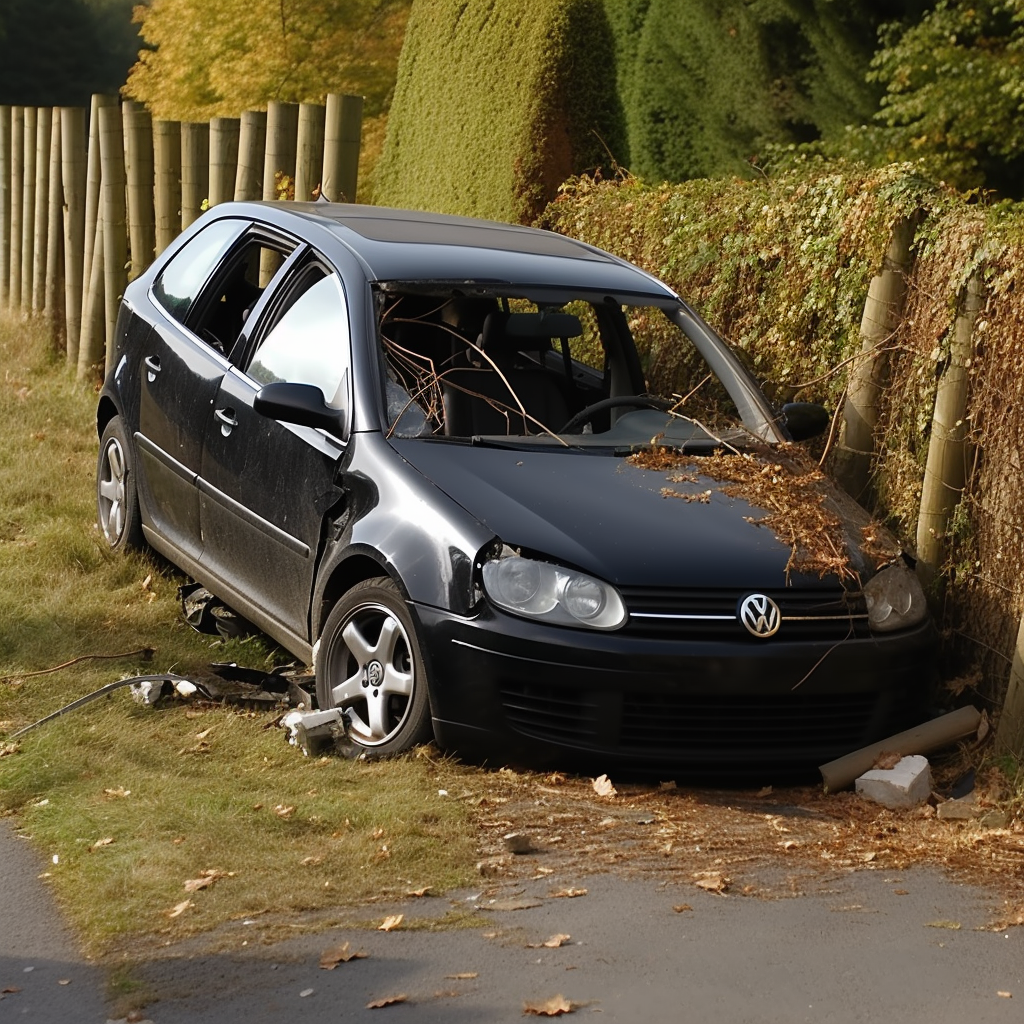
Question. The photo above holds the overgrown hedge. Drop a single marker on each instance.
(781, 267)
(497, 102)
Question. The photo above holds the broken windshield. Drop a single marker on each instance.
(583, 371)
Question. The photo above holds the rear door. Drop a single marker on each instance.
(266, 487)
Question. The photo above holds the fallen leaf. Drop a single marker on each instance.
(283, 811)
(712, 882)
(554, 1007)
(603, 786)
(119, 792)
(202, 735)
(464, 976)
(765, 791)
(901, 892)
(390, 923)
(868, 857)
(101, 842)
(330, 958)
(951, 925)
(419, 892)
(523, 903)
(1005, 995)
(790, 844)
(311, 861)
(64, 981)
(204, 881)
(180, 909)
(306, 992)
(9, 990)
(680, 908)
(387, 1001)
(887, 760)
(567, 894)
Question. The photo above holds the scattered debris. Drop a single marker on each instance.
(962, 809)
(145, 653)
(315, 732)
(908, 783)
(518, 843)
(923, 739)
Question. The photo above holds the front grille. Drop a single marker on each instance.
(666, 613)
(780, 729)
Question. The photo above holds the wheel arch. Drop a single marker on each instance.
(343, 577)
(106, 410)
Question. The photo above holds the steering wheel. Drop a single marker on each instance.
(636, 401)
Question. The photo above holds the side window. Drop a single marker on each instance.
(178, 286)
(309, 342)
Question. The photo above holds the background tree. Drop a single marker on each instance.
(954, 93)
(218, 59)
(59, 51)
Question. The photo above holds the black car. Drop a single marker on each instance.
(422, 454)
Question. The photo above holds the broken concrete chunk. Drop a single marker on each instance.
(314, 731)
(907, 785)
(961, 809)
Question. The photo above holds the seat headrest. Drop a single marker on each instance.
(508, 333)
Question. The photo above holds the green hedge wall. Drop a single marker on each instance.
(497, 103)
(781, 267)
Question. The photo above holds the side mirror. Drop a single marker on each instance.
(302, 404)
(804, 419)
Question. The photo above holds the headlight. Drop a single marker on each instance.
(895, 600)
(538, 590)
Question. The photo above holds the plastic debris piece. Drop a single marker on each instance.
(313, 732)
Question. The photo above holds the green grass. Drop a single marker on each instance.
(357, 831)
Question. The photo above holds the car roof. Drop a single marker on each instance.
(410, 245)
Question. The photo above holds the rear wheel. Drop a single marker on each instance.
(117, 501)
(369, 663)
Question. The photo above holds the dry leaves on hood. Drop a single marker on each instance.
(330, 958)
(553, 1007)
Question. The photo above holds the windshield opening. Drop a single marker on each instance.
(545, 368)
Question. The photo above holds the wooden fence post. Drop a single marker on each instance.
(28, 209)
(5, 204)
(1010, 729)
(224, 137)
(138, 145)
(92, 330)
(195, 170)
(167, 186)
(113, 212)
(44, 127)
(309, 151)
(73, 161)
(342, 140)
(279, 156)
(53, 290)
(17, 179)
(883, 310)
(252, 141)
(945, 469)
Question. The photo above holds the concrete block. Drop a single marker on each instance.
(909, 784)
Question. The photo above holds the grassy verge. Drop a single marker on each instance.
(129, 802)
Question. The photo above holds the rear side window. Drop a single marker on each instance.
(309, 343)
(181, 281)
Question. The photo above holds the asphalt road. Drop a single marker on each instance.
(864, 946)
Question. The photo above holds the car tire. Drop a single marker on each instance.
(117, 501)
(369, 638)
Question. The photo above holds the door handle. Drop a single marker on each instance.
(152, 367)
(226, 418)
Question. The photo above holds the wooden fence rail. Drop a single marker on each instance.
(89, 198)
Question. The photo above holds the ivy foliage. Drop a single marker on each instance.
(497, 103)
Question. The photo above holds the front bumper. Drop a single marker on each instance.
(510, 688)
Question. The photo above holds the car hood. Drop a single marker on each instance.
(605, 516)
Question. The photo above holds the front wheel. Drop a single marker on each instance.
(369, 663)
(117, 501)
